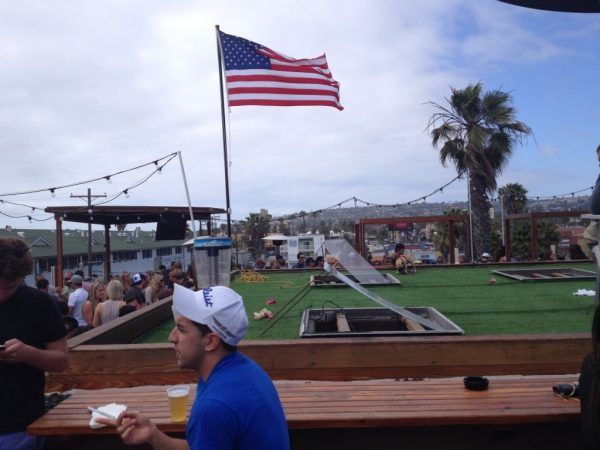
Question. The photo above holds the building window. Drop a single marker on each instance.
(126, 255)
(178, 250)
(147, 254)
(70, 262)
(166, 251)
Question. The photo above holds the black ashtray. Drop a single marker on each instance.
(476, 383)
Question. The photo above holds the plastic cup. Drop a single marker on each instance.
(178, 402)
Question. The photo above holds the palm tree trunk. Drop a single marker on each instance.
(482, 223)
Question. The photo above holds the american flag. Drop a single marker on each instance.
(257, 75)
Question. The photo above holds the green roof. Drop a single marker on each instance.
(75, 242)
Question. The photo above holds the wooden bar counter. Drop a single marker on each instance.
(352, 405)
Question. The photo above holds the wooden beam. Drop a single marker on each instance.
(99, 366)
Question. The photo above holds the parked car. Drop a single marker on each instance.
(425, 258)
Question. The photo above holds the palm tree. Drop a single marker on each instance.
(256, 226)
(477, 133)
(514, 198)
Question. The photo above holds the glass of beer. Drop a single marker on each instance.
(178, 401)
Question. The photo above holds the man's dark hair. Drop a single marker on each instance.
(204, 330)
(42, 284)
(161, 267)
(16, 261)
(399, 247)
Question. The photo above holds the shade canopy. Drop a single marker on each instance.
(164, 216)
(580, 6)
(113, 215)
(276, 237)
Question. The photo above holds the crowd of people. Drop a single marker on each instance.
(85, 304)
(278, 262)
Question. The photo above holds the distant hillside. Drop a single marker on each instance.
(337, 215)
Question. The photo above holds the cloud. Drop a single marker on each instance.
(548, 150)
(94, 87)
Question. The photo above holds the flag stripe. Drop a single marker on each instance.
(283, 100)
(273, 84)
(268, 90)
(236, 75)
(257, 75)
(320, 61)
(303, 69)
(295, 102)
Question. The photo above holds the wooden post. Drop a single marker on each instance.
(106, 253)
(58, 273)
(452, 242)
(534, 238)
(507, 242)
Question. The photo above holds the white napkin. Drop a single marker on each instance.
(113, 409)
(586, 292)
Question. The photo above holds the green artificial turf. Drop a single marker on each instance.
(463, 294)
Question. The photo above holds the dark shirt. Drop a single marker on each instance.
(126, 310)
(29, 316)
(591, 438)
(595, 199)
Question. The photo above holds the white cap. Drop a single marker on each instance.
(218, 307)
(486, 255)
(137, 278)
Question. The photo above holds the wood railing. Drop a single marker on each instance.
(124, 365)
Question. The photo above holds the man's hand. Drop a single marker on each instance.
(53, 358)
(135, 428)
(15, 352)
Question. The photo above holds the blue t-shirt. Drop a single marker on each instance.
(237, 408)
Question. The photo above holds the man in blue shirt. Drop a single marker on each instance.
(236, 406)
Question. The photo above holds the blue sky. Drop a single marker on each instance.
(91, 88)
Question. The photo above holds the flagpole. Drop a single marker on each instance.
(226, 159)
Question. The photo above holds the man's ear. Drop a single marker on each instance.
(213, 341)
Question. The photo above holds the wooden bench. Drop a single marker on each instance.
(353, 404)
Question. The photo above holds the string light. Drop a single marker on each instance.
(168, 158)
(52, 192)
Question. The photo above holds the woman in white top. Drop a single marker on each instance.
(154, 289)
(109, 309)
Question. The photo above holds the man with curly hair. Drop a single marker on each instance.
(32, 341)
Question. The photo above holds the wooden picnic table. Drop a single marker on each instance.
(353, 404)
